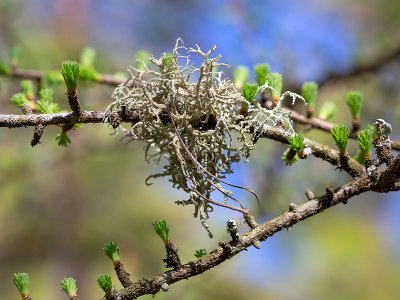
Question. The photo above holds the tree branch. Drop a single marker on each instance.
(259, 233)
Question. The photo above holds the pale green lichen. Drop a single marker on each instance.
(195, 125)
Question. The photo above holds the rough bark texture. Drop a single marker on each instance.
(123, 276)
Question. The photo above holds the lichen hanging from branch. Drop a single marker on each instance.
(190, 116)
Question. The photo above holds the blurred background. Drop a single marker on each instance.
(59, 206)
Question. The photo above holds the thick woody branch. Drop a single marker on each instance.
(328, 154)
(12, 121)
(259, 233)
(123, 276)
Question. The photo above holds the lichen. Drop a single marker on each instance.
(190, 116)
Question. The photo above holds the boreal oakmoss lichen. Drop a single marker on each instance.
(191, 117)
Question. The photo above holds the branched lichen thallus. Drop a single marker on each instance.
(189, 117)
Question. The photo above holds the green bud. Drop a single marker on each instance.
(70, 72)
(51, 77)
(240, 76)
(327, 111)
(63, 139)
(4, 68)
(355, 101)
(144, 58)
(309, 92)
(262, 70)
(105, 283)
(250, 91)
(88, 55)
(46, 105)
(275, 81)
(340, 135)
(15, 55)
(19, 98)
(88, 72)
(68, 285)
(21, 281)
(112, 251)
(200, 253)
(296, 142)
(161, 228)
(27, 89)
(168, 61)
(365, 140)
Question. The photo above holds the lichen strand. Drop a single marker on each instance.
(195, 125)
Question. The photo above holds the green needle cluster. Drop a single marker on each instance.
(262, 70)
(161, 228)
(365, 140)
(112, 251)
(275, 81)
(200, 253)
(4, 69)
(46, 105)
(27, 89)
(250, 91)
(19, 99)
(70, 72)
(63, 139)
(309, 91)
(340, 135)
(87, 70)
(296, 142)
(51, 77)
(240, 76)
(327, 111)
(68, 285)
(105, 283)
(355, 101)
(21, 281)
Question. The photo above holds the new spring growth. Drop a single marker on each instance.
(296, 149)
(112, 251)
(87, 70)
(70, 72)
(105, 283)
(365, 141)
(51, 77)
(240, 76)
(327, 111)
(15, 55)
(275, 81)
(167, 61)
(309, 92)
(340, 135)
(262, 70)
(68, 285)
(46, 105)
(21, 281)
(19, 98)
(355, 101)
(161, 228)
(296, 143)
(200, 253)
(142, 60)
(63, 139)
(27, 89)
(4, 69)
(249, 92)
